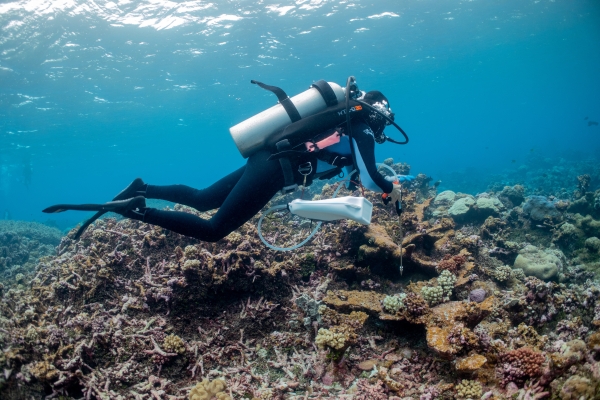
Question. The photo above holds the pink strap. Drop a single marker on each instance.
(328, 141)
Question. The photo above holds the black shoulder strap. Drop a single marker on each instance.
(286, 167)
(283, 98)
(326, 92)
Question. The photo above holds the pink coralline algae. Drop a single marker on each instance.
(519, 365)
(477, 295)
(365, 391)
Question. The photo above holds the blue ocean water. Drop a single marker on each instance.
(95, 93)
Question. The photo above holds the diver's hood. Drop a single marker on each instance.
(375, 119)
(375, 96)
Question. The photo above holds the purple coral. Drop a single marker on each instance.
(477, 295)
(365, 391)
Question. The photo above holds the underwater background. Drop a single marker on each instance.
(486, 286)
(95, 93)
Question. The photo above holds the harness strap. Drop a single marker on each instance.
(326, 92)
(286, 153)
(286, 168)
(283, 98)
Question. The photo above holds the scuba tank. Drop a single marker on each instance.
(252, 134)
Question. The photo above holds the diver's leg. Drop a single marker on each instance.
(260, 181)
(202, 200)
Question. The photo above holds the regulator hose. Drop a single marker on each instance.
(285, 206)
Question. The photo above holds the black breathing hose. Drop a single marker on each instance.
(391, 121)
(349, 81)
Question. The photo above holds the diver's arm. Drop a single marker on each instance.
(364, 149)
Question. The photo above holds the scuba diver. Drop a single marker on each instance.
(306, 148)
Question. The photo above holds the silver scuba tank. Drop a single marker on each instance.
(250, 135)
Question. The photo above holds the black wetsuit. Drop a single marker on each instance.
(243, 193)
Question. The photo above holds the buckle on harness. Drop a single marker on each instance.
(305, 169)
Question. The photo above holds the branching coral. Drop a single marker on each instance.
(520, 365)
(446, 281)
(503, 273)
(451, 263)
(432, 294)
(174, 344)
(392, 304)
(334, 338)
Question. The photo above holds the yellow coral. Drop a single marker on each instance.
(331, 338)
(578, 387)
(192, 264)
(468, 389)
(206, 390)
(191, 252)
(43, 371)
(174, 344)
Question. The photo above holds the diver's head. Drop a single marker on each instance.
(374, 119)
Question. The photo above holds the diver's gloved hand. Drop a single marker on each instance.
(396, 194)
(400, 178)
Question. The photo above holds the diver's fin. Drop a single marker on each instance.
(119, 206)
(87, 223)
(135, 188)
(58, 208)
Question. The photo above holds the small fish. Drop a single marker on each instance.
(514, 161)
(531, 150)
(592, 123)
(585, 118)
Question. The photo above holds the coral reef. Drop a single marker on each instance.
(430, 311)
(467, 389)
(23, 243)
(206, 390)
(543, 264)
